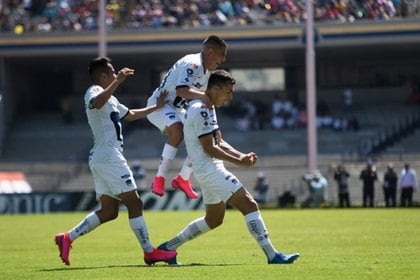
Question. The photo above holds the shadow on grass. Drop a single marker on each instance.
(134, 265)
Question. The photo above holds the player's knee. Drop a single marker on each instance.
(214, 223)
(176, 134)
(107, 216)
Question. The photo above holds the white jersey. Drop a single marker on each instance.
(105, 124)
(186, 72)
(199, 121)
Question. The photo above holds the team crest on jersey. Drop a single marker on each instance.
(129, 182)
(190, 72)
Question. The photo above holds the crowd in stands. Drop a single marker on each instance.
(252, 114)
(21, 16)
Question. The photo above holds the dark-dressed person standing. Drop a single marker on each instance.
(368, 176)
(341, 176)
(390, 186)
(407, 184)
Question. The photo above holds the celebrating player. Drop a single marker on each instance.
(207, 151)
(113, 178)
(186, 80)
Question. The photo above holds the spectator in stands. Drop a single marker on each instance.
(287, 199)
(261, 188)
(353, 123)
(407, 185)
(348, 99)
(368, 177)
(341, 176)
(114, 182)
(324, 117)
(317, 186)
(390, 186)
(21, 16)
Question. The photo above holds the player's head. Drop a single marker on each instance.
(220, 87)
(101, 71)
(214, 52)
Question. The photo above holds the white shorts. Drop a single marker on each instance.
(112, 178)
(217, 184)
(165, 116)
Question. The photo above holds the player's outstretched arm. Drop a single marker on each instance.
(135, 114)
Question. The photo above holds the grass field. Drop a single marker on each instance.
(334, 244)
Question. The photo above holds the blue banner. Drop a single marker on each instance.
(47, 202)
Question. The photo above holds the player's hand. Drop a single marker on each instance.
(206, 100)
(123, 74)
(161, 100)
(249, 159)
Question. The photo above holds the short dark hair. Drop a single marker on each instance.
(97, 66)
(214, 41)
(220, 78)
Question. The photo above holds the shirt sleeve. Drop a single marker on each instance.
(123, 110)
(92, 92)
(202, 121)
(187, 74)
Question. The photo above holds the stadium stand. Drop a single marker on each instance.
(48, 16)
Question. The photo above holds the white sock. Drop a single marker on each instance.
(168, 155)
(186, 169)
(89, 223)
(138, 225)
(191, 231)
(258, 230)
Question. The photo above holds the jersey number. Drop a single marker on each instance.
(179, 102)
(115, 118)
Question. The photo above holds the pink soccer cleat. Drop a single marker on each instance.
(64, 245)
(158, 255)
(185, 186)
(158, 186)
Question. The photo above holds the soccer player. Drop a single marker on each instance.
(186, 80)
(208, 151)
(113, 178)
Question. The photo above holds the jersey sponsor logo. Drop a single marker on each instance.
(204, 114)
(170, 115)
(197, 85)
(129, 182)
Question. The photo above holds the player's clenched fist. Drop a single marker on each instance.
(124, 73)
(249, 159)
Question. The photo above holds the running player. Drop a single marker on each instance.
(207, 151)
(113, 178)
(186, 80)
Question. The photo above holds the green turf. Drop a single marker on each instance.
(334, 244)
